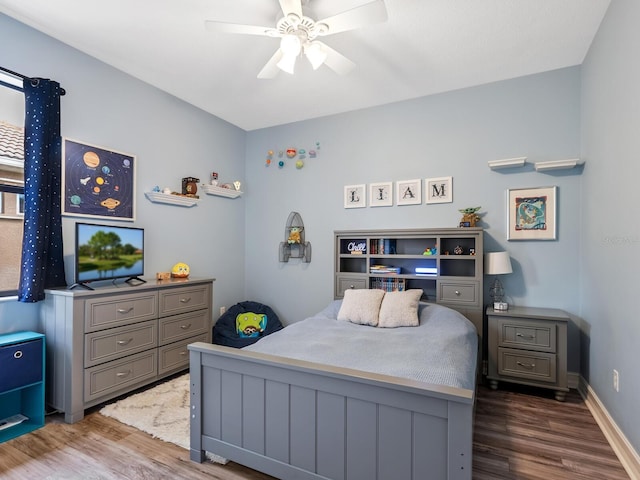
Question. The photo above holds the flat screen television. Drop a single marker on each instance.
(107, 252)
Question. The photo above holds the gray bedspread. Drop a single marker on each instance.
(442, 350)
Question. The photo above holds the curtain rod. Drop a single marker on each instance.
(24, 77)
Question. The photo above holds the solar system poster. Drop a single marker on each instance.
(97, 181)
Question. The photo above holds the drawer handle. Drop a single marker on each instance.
(125, 310)
(17, 354)
(123, 374)
(185, 300)
(124, 342)
(457, 292)
(352, 287)
(185, 327)
(526, 365)
(528, 337)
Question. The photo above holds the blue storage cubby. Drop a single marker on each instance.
(22, 356)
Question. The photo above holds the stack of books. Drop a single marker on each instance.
(383, 269)
(383, 246)
(388, 284)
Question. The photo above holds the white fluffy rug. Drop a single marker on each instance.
(162, 411)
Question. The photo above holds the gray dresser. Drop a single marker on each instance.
(112, 340)
(528, 346)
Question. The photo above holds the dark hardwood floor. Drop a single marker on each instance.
(517, 436)
(524, 433)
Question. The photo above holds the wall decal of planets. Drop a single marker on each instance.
(97, 181)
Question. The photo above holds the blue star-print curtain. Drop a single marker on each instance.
(42, 253)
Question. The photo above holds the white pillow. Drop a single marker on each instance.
(400, 309)
(361, 306)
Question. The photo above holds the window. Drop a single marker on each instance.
(11, 183)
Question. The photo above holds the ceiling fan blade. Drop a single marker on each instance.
(367, 14)
(336, 61)
(214, 26)
(291, 6)
(271, 69)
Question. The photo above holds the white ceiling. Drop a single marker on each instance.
(425, 47)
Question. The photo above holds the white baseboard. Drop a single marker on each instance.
(623, 449)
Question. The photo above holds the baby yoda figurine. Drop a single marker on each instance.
(469, 216)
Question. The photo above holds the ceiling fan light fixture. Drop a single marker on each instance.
(290, 45)
(315, 54)
(287, 63)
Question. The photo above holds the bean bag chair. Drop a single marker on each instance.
(245, 323)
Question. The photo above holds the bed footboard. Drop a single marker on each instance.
(295, 419)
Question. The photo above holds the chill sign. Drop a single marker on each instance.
(357, 247)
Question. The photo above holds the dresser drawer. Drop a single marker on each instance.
(175, 356)
(186, 299)
(460, 293)
(114, 311)
(346, 283)
(529, 334)
(179, 327)
(537, 366)
(120, 374)
(114, 343)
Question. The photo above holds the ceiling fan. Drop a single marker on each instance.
(298, 34)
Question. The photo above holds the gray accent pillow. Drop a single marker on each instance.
(361, 306)
(400, 309)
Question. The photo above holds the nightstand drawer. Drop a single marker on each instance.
(345, 283)
(528, 334)
(460, 293)
(527, 365)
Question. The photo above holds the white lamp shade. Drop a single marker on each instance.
(315, 54)
(497, 263)
(290, 45)
(287, 63)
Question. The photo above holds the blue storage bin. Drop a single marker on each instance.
(20, 364)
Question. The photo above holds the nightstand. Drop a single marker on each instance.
(528, 346)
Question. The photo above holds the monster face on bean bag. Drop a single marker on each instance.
(250, 324)
(245, 323)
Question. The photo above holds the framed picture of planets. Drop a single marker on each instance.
(97, 181)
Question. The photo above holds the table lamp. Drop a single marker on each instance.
(497, 263)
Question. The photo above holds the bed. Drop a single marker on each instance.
(332, 399)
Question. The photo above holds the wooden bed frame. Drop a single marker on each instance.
(295, 419)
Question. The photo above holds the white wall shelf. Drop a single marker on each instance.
(507, 163)
(220, 191)
(558, 164)
(168, 198)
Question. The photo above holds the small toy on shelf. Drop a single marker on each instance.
(163, 275)
(180, 270)
(294, 235)
(190, 186)
(469, 216)
(430, 251)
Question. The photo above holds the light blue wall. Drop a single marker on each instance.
(610, 226)
(171, 140)
(587, 272)
(452, 134)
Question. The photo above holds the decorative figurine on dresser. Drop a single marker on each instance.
(528, 346)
